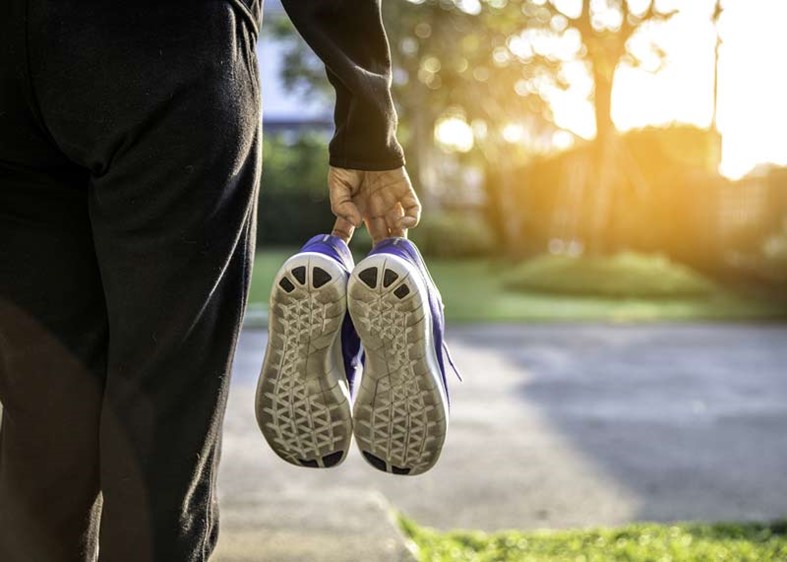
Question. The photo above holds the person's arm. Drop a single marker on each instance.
(349, 37)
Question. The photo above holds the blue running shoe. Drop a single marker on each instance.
(401, 407)
(312, 356)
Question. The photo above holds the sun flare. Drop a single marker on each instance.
(751, 116)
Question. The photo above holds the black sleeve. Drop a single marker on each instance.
(349, 37)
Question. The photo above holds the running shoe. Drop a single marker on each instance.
(313, 354)
(400, 410)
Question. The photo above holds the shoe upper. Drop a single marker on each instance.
(337, 249)
(405, 249)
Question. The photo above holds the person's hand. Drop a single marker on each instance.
(385, 201)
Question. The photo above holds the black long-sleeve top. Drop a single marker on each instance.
(349, 37)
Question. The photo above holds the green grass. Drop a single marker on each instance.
(266, 264)
(624, 275)
(476, 291)
(649, 542)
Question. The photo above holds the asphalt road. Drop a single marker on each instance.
(554, 426)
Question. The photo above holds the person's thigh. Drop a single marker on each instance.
(167, 118)
(53, 341)
(53, 331)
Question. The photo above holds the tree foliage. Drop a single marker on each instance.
(496, 61)
(492, 63)
(293, 203)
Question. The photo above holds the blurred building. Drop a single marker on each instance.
(444, 181)
(283, 111)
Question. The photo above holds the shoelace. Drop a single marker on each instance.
(451, 362)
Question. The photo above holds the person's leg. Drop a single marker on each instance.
(52, 362)
(53, 331)
(161, 102)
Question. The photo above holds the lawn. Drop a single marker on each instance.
(480, 291)
(622, 275)
(266, 264)
(649, 542)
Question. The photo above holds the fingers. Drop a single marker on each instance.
(342, 206)
(394, 222)
(394, 198)
(343, 229)
(411, 206)
(342, 185)
(405, 214)
(385, 201)
(377, 227)
(384, 213)
(402, 207)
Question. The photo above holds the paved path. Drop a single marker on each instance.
(554, 426)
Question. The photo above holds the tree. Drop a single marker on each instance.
(445, 59)
(492, 63)
(717, 11)
(450, 62)
(605, 29)
(453, 62)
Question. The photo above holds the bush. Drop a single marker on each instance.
(361, 242)
(454, 235)
(775, 254)
(294, 204)
(625, 275)
(443, 236)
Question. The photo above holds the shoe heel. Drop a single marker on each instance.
(400, 410)
(302, 402)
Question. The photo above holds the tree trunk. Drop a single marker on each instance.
(602, 171)
(495, 204)
(503, 207)
(602, 101)
(420, 157)
(715, 153)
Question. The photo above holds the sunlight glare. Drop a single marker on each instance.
(752, 118)
(454, 134)
(472, 7)
(752, 86)
(513, 132)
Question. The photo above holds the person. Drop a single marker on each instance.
(129, 171)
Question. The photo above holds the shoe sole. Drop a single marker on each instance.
(302, 403)
(400, 409)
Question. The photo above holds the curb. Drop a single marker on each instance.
(256, 318)
(361, 526)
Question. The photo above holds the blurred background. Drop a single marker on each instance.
(605, 211)
(608, 148)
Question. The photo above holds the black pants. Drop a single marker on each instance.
(129, 166)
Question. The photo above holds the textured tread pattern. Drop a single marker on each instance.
(402, 291)
(333, 459)
(287, 285)
(300, 274)
(389, 277)
(369, 276)
(376, 462)
(319, 277)
(303, 405)
(400, 413)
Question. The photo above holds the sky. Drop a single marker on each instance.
(753, 84)
(752, 104)
(277, 101)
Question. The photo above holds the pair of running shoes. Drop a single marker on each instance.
(355, 350)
